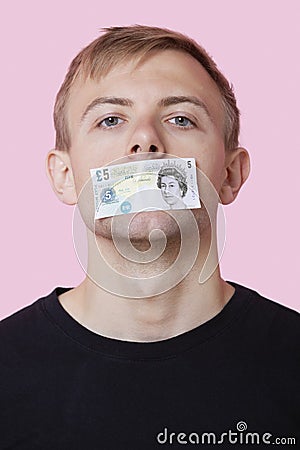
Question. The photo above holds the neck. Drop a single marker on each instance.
(137, 302)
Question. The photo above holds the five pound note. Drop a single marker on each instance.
(146, 185)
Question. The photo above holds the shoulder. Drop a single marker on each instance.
(266, 306)
(26, 314)
(268, 320)
(27, 324)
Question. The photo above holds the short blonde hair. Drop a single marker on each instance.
(119, 44)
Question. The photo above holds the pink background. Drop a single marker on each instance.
(255, 43)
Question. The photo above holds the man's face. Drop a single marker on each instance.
(168, 104)
(170, 190)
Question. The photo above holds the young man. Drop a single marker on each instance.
(146, 353)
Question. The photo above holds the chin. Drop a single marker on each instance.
(138, 226)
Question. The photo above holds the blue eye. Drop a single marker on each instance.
(182, 121)
(110, 121)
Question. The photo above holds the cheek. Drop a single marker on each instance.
(81, 165)
(95, 149)
(89, 156)
(211, 162)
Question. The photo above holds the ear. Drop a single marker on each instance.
(236, 172)
(60, 175)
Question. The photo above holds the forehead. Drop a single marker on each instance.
(147, 79)
(168, 178)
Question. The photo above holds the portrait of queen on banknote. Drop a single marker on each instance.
(172, 181)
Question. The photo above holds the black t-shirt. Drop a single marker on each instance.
(231, 381)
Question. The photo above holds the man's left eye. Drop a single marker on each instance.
(110, 121)
(182, 121)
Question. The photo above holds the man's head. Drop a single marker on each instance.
(122, 44)
(149, 92)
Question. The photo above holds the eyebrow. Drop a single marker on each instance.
(165, 102)
(175, 100)
(103, 101)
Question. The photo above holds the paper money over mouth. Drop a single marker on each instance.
(145, 185)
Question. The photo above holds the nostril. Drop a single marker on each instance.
(135, 148)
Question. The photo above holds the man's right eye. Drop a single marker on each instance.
(110, 121)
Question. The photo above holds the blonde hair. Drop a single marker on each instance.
(119, 44)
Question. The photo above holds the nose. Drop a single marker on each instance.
(145, 139)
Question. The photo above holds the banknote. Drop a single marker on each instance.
(145, 185)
